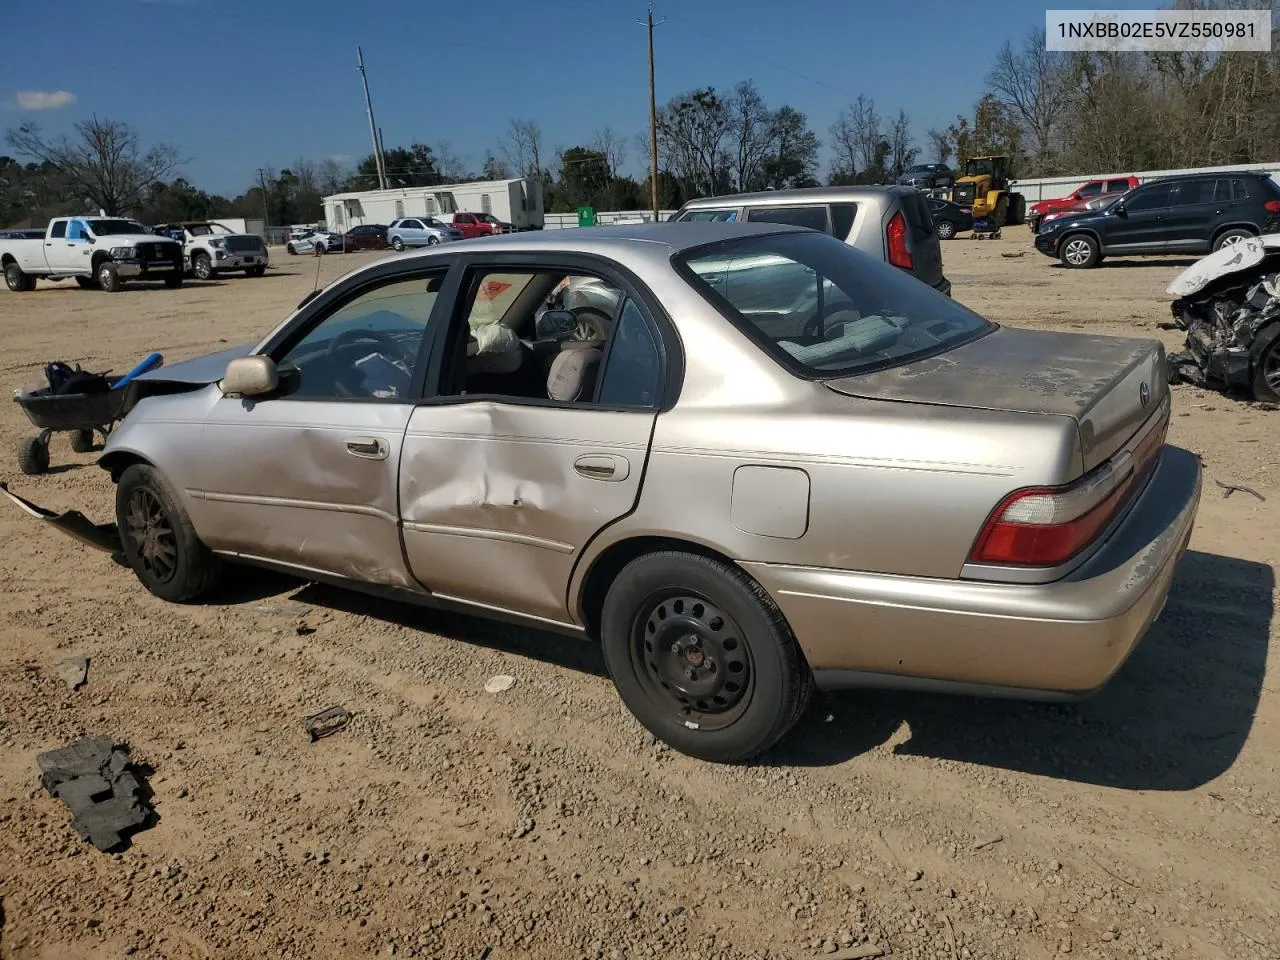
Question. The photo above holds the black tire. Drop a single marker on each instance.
(946, 229)
(87, 283)
(397, 244)
(1228, 237)
(432, 240)
(1266, 370)
(255, 271)
(745, 681)
(288, 248)
(108, 277)
(160, 544)
(17, 280)
(202, 266)
(1078, 251)
(320, 249)
(33, 456)
(82, 441)
(173, 282)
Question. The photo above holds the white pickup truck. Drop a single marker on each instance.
(99, 252)
(210, 248)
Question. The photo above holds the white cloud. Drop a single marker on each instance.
(341, 158)
(45, 99)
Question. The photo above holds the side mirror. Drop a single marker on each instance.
(249, 377)
(1121, 211)
(90, 239)
(555, 325)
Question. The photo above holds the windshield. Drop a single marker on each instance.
(487, 217)
(822, 309)
(107, 228)
(980, 167)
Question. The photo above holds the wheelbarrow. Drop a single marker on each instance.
(81, 414)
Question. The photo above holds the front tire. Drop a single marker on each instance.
(1079, 251)
(1266, 377)
(202, 266)
(289, 249)
(160, 543)
(174, 281)
(432, 240)
(397, 244)
(946, 229)
(108, 277)
(1231, 237)
(255, 272)
(702, 656)
(87, 283)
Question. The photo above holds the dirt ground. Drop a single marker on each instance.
(542, 822)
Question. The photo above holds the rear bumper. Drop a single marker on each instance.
(1062, 639)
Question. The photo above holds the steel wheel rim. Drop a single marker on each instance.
(1271, 367)
(152, 535)
(691, 660)
(104, 275)
(1231, 239)
(203, 268)
(1077, 251)
(945, 230)
(11, 278)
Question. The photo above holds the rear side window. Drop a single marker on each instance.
(59, 230)
(918, 216)
(1240, 192)
(633, 369)
(710, 216)
(1117, 186)
(842, 215)
(1202, 191)
(815, 218)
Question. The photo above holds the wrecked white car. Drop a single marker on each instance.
(1229, 304)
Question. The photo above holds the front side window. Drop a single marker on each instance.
(366, 349)
(822, 309)
(1091, 190)
(709, 216)
(1152, 198)
(1117, 186)
(813, 217)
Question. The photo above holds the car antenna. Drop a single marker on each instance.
(315, 291)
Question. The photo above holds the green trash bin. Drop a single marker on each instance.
(586, 216)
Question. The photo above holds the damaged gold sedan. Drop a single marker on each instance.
(745, 458)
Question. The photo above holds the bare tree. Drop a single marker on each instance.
(694, 135)
(522, 147)
(330, 176)
(614, 148)
(902, 149)
(845, 146)
(753, 135)
(1033, 84)
(865, 124)
(451, 165)
(941, 144)
(105, 161)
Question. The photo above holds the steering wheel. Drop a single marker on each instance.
(379, 337)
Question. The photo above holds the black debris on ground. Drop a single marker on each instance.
(107, 794)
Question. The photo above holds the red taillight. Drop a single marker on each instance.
(896, 234)
(1272, 206)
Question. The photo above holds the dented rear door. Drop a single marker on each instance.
(499, 498)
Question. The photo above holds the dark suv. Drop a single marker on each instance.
(1196, 213)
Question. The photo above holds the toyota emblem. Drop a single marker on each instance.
(1144, 393)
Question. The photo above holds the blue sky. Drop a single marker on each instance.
(239, 84)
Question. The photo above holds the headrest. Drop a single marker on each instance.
(573, 373)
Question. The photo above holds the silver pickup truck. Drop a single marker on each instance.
(99, 252)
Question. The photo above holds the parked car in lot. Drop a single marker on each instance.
(309, 240)
(367, 236)
(889, 223)
(883, 491)
(209, 248)
(472, 225)
(1078, 198)
(928, 176)
(949, 218)
(420, 232)
(1195, 213)
(99, 252)
(1097, 203)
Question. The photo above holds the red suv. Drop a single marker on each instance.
(475, 224)
(1090, 191)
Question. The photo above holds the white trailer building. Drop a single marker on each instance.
(518, 202)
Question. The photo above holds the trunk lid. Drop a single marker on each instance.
(1108, 385)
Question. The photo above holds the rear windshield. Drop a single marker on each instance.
(716, 216)
(822, 308)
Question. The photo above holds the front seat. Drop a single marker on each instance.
(574, 370)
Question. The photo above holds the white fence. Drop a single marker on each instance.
(1047, 188)
(562, 221)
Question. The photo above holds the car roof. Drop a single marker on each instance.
(807, 194)
(675, 236)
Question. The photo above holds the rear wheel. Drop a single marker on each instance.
(82, 441)
(160, 543)
(1231, 237)
(17, 280)
(33, 456)
(1078, 251)
(946, 229)
(702, 656)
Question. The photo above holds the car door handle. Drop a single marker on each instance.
(369, 448)
(603, 466)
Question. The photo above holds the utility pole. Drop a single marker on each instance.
(266, 216)
(653, 119)
(373, 129)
